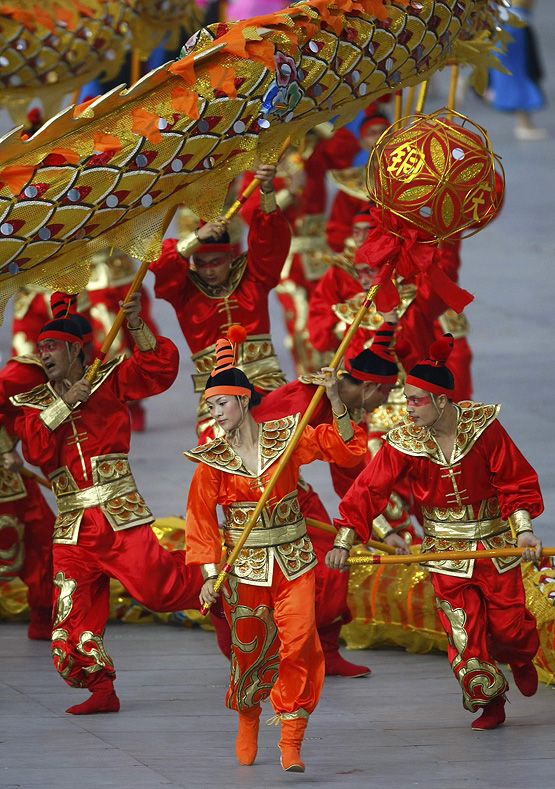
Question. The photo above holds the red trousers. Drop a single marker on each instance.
(156, 578)
(275, 647)
(486, 620)
(32, 551)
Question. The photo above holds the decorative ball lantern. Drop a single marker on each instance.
(437, 172)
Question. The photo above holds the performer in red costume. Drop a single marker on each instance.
(210, 291)
(477, 491)
(269, 596)
(79, 434)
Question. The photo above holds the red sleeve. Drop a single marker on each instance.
(324, 443)
(37, 445)
(369, 495)
(344, 209)
(321, 320)
(203, 543)
(513, 477)
(171, 274)
(340, 149)
(291, 398)
(147, 373)
(268, 246)
(17, 377)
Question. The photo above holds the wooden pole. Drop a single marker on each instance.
(442, 556)
(452, 99)
(422, 95)
(410, 100)
(379, 546)
(26, 472)
(291, 446)
(136, 66)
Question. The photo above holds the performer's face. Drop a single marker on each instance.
(57, 357)
(372, 134)
(226, 410)
(365, 275)
(213, 268)
(367, 395)
(359, 233)
(422, 408)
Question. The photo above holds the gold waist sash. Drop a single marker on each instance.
(256, 357)
(471, 522)
(96, 495)
(284, 524)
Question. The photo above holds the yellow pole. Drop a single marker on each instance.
(398, 105)
(410, 100)
(452, 99)
(136, 66)
(442, 556)
(422, 95)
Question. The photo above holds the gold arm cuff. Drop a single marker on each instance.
(7, 442)
(381, 527)
(344, 426)
(209, 571)
(268, 202)
(344, 538)
(186, 246)
(143, 337)
(53, 416)
(520, 522)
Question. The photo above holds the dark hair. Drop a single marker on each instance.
(223, 239)
(256, 398)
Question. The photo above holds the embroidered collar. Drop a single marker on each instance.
(473, 419)
(235, 275)
(44, 395)
(273, 438)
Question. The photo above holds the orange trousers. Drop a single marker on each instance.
(275, 650)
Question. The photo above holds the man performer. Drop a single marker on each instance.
(477, 491)
(210, 291)
(79, 434)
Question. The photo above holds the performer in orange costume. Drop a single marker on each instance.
(79, 435)
(477, 491)
(269, 597)
(363, 386)
(210, 291)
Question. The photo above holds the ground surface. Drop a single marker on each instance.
(403, 727)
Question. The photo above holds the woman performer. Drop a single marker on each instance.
(269, 596)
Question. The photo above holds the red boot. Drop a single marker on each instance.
(493, 715)
(292, 734)
(102, 699)
(40, 625)
(526, 678)
(246, 744)
(337, 666)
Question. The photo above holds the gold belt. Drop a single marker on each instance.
(256, 357)
(266, 538)
(464, 530)
(95, 495)
(284, 524)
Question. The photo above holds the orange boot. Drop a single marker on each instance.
(246, 744)
(292, 733)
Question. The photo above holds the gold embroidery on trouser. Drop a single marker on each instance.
(13, 556)
(101, 658)
(480, 680)
(67, 586)
(256, 678)
(63, 661)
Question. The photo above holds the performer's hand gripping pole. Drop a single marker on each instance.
(419, 558)
(291, 446)
(380, 546)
